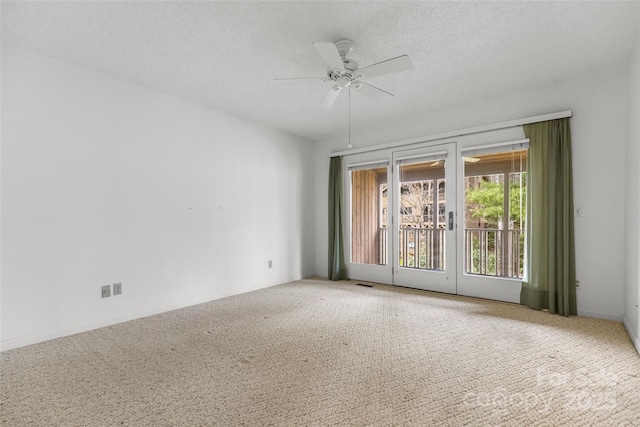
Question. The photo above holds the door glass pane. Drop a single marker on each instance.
(495, 198)
(369, 213)
(422, 221)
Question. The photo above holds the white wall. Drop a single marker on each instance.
(598, 130)
(632, 203)
(104, 181)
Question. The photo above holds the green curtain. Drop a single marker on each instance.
(550, 271)
(337, 265)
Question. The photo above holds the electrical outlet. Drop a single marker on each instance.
(117, 289)
(270, 264)
(106, 291)
(577, 211)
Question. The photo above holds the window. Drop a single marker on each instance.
(494, 213)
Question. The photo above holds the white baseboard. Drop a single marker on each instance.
(598, 315)
(38, 338)
(634, 337)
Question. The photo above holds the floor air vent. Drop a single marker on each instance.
(362, 284)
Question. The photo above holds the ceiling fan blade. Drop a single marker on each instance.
(286, 79)
(330, 97)
(330, 54)
(373, 93)
(393, 65)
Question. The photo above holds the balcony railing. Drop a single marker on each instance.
(486, 251)
(422, 248)
(492, 252)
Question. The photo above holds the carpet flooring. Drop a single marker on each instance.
(313, 352)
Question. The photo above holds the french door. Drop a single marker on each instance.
(401, 217)
(368, 211)
(446, 218)
(424, 223)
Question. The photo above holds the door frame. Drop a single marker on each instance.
(496, 288)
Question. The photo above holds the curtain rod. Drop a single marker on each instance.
(458, 133)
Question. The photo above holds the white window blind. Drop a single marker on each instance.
(368, 165)
(421, 158)
(521, 144)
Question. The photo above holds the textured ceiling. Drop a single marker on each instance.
(227, 54)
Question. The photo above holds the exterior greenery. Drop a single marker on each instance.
(485, 207)
(487, 201)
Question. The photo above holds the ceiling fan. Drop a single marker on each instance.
(343, 72)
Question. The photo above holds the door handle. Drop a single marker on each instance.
(450, 221)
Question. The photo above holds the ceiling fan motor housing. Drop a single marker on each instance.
(344, 79)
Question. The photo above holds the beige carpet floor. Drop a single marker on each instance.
(313, 352)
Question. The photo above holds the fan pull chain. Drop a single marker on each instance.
(349, 143)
